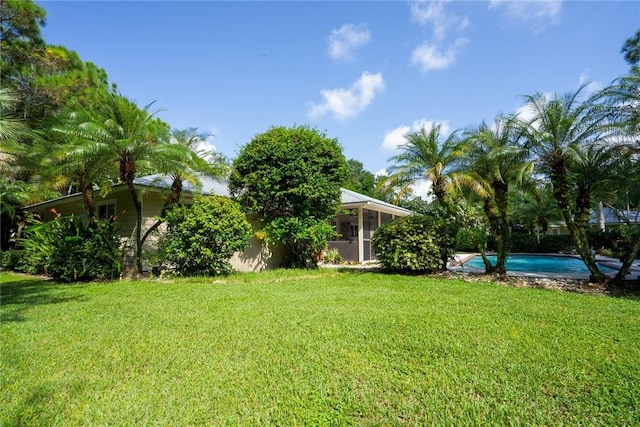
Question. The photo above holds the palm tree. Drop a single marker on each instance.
(182, 160)
(132, 142)
(77, 163)
(560, 127)
(535, 207)
(422, 157)
(127, 138)
(496, 160)
(13, 191)
(622, 102)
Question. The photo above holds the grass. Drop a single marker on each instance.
(314, 347)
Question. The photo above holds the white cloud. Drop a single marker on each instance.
(434, 54)
(421, 189)
(592, 85)
(396, 137)
(205, 147)
(433, 12)
(344, 104)
(381, 172)
(346, 39)
(429, 56)
(540, 13)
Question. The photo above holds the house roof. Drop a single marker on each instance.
(153, 182)
(351, 199)
(616, 216)
(208, 184)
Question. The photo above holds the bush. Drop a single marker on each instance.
(303, 239)
(332, 256)
(529, 243)
(201, 238)
(414, 244)
(290, 178)
(70, 249)
(13, 259)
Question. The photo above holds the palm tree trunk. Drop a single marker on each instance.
(579, 235)
(491, 211)
(488, 268)
(137, 270)
(89, 205)
(578, 228)
(172, 199)
(627, 261)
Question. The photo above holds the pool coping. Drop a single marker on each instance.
(461, 258)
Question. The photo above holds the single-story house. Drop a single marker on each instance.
(360, 216)
(602, 218)
(606, 217)
(358, 219)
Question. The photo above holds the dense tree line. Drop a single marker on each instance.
(64, 129)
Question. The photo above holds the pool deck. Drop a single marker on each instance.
(461, 258)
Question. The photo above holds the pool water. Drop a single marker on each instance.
(539, 264)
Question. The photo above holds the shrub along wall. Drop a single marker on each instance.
(69, 249)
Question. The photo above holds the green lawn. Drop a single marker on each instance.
(314, 347)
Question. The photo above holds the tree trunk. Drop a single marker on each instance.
(127, 175)
(627, 260)
(488, 268)
(501, 190)
(89, 205)
(578, 228)
(491, 211)
(172, 199)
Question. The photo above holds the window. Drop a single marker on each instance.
(353, 230)
(107, 210)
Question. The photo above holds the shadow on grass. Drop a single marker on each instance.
(40, 404)
(359, 270)
(24, 292)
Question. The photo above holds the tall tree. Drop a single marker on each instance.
(360, 180)
(631, 49)
(425, 157)
(12, 193)
(291, 178)
(496, 161)
(130, 139)
(560, 126)
(46, 78)
(183, 161)
(622, 102)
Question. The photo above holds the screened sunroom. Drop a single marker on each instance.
(358, 219)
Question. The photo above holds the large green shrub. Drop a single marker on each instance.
(414, 244)
(70, 249)
(202, 237)
(290, 178)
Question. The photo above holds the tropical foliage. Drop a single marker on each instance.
(202, 237)
(291, 178)
(64, 128)
(70, 249)
(414, 244)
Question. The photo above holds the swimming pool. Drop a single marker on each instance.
(540, 264)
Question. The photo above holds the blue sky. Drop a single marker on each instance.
(363, 72)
